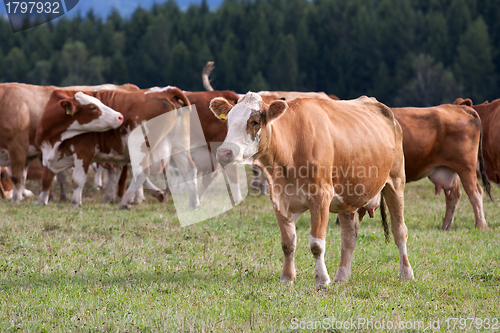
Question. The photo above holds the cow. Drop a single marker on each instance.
(323, 139)
(213, 131)
(21, 106)
(490, 119)
(112, 146)
(443, 143)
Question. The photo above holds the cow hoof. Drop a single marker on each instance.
(482, 226)
(321, 286)
(322, 283)
(342, 275)
(286, 280)
(194, 205)
(75, 204)
(63, 198)
(28, 193)
(108, 200)
(137, 201)
(40, 203)
(406, 273)
(124, 207)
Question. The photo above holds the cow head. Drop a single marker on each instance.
(245, 121)
(90, 114)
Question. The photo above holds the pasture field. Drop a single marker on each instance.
(97, 269)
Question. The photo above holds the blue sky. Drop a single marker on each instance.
(125, 7)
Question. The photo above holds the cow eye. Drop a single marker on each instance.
(255, 123)
(93, 108)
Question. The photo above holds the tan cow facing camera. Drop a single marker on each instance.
(323, 156)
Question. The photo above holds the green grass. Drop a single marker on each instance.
(99, 269)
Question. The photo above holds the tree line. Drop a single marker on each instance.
(403, 52)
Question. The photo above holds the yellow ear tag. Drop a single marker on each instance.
(68, 112)
(223, 117)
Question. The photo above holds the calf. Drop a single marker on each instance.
(316, 136)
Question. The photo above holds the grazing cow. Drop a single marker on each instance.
(490, 120)
(323, 156)
(443, 143)
(21, 106)
(112, 146)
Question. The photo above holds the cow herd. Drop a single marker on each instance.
(316, 152)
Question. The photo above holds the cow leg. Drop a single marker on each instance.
(26, 193)
(97, 176)
(6, 186)
(288, 244)
(47, 179)
(256, 184)
(132, 189)
(452, 198)
(105, 176)
(122, 182)
(188, 170)
(234, 182)
(17, 157)
(204, 184)
(79, 177)
(475, 194)
(62, 180)
(393, 193)
(113, 179)
(349, 229)
(317, 241)
(139, 195)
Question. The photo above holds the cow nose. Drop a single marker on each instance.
(120, 118)
(225, 156)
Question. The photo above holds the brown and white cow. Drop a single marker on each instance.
(213, 131)
(324, 139)
(443, 143)
(490, 120)
(112, 146)
(21, 107)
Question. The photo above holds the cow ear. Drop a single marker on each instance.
(69, 106)
(275, 110)
(220, 107)
(461, 101)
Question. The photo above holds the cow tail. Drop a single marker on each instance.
(206, 74)
(384, 220)
(482, 170)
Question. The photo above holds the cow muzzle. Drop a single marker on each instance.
(227, 154)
